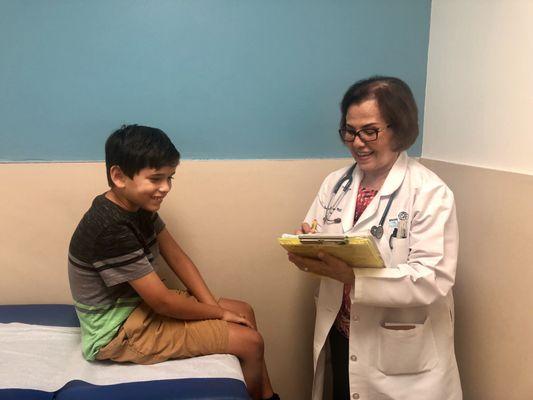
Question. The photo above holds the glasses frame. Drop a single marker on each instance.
(357, 133)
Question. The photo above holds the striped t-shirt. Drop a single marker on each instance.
(110, 247)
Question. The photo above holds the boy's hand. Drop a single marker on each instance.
(230, 316)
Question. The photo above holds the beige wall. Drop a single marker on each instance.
(479, 93)
(225, 214)
(494, 287)
(215, 201)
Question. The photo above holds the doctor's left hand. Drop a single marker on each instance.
(328, 265)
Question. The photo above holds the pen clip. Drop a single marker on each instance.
(393, 235)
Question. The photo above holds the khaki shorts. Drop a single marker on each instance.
(149, 338)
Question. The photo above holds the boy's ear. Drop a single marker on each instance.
(117, 176)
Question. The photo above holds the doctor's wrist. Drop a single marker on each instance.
(348, 277)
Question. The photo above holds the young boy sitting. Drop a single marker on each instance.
(126, 313)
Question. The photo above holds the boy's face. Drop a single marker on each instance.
(147, 188)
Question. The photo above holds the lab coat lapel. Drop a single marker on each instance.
(391, 184)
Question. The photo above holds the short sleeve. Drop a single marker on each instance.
(159, 225)
(119, 255)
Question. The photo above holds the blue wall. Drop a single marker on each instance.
(224, 78)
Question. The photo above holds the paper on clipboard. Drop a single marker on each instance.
(358, 251)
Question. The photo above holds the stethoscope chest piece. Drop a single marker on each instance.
(377, 231)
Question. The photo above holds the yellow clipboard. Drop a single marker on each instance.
(357, 251)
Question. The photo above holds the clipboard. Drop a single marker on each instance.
(357, 251)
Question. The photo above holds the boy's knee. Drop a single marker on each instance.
(255, 342)
(241, 307)
(260, 343)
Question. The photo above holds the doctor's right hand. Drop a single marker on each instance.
(306, 228)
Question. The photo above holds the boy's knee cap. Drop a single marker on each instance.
(256, 340)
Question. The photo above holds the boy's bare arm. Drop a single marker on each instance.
(184, 268)
(167, 302)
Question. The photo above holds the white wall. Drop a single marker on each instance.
(479, 95)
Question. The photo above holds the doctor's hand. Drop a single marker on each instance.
(306, 228)
(328, 265)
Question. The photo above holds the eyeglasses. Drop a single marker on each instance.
(365, 134)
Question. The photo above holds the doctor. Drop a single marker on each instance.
(390, 330)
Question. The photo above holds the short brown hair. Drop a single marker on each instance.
(134, 147)
(395, 102)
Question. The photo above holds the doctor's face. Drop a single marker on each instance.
(373, 157)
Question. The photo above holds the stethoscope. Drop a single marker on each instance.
(345, 182)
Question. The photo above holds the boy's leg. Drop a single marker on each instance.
(247, 345)
(147, 338)
(247, 311)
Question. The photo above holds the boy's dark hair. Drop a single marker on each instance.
(396, 104)
(134, 147)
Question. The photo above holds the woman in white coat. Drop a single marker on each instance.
(389, 330)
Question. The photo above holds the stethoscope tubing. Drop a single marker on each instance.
(376, 230)
(330, 209)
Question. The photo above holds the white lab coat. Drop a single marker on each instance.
(415, 288)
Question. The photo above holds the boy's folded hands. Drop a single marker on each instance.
(230, 316)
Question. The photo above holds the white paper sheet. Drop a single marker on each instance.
(47, 357)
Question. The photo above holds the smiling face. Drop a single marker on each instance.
(374, 158)
(145, 190)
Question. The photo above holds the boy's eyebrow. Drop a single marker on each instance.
(158, 174)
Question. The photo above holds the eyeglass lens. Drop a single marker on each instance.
(366, 135)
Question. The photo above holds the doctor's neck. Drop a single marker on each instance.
(375, 177)
(372, 181)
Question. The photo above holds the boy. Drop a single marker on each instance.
(126, 313)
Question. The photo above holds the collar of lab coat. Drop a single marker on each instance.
(392, 183)
(395, 177)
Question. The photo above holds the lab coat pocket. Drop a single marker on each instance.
(406, 351)
(400, 251)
